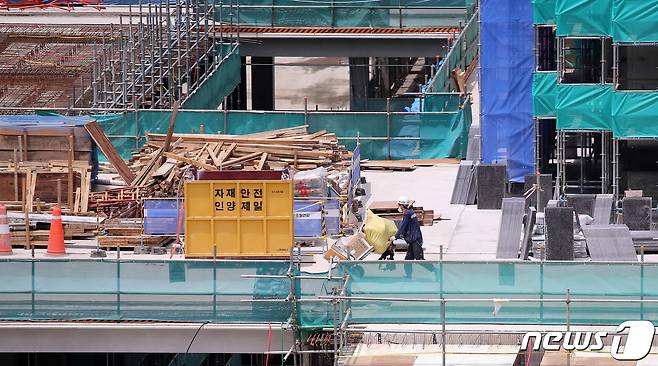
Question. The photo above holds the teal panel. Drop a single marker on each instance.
(635, 114)
(543, 11)
(240, 123)
(349, 124)
(220, 83)
(635, 21)
(544, 91)
(362, 14)
(379, 104)
(441, 103)
(583, 17)
(584, 107)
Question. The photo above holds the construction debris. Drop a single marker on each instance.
(291, 148)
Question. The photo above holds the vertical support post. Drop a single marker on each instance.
(214, 281)
(537, 146)
(169, 71)
(70, 172)
(443, 308)
(642, 282)
(306, 111)
(119, 281)
(388, 126)
(615, 170)
(615, 65)
(16, 195)
(225, 131)
(603, 60)
(568, 303)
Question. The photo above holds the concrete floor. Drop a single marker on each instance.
(465, 232)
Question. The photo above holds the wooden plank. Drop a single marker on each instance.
(189, 161)
(211, 152)
(262, 162)
(236, 139)
(226, 153)
(15, 175)
(76, 205)
(84, 207)
(170, 129)
(70, 171)
(240, 160)
(110, 152)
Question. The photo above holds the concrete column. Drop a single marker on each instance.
(359, 78)
(262, 83)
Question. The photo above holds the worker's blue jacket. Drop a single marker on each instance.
(410, 229)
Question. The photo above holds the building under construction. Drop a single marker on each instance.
(221, 183)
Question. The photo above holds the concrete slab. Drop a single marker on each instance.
(465, 233)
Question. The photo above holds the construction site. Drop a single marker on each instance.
(325, 183)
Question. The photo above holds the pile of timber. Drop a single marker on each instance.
(160, 165)
(128, 233)
(39, 185)
(78, 227)
(389, 210)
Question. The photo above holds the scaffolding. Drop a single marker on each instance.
(163, 56)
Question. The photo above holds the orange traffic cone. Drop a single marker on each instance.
(56, 238)
(5, 236)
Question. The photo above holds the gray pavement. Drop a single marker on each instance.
(466, 233)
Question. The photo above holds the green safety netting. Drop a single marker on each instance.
(429, 135)
(441, 102)
(367, 13)
(543, 11)
(379, 104)
(584, 107)
(544, 92)
(635, 21)
(583, 17)
(218, 291)
(220, 83)
(464, 50)
(635, 114)
(158, 290)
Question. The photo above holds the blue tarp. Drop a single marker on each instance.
(33, 121)
(506, 90)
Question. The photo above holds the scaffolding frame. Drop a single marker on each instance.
(341, 301)
(163, 54)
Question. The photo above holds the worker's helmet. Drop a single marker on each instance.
(404, 201)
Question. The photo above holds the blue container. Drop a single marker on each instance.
(161, 216)
(308, 219)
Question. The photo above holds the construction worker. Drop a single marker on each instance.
(410, 230)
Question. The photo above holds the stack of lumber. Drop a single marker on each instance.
(389, 210)
(75, 227)
(158, 172)
(40, 185)
(127, 233)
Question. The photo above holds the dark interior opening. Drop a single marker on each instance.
(638, 67)
(587, 61)
(546, 48)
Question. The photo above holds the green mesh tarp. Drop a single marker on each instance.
(240, 123)
(584, 107)
(220, 83)
(544, 92)
(441, 102)
(218, 291)
(464, 50)
(635, 21)
(454, 280)
(635, 114)
(413, 135)
(543, 11)
(367, 13)
(379, 104)
(203, 290)
(583, 17)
